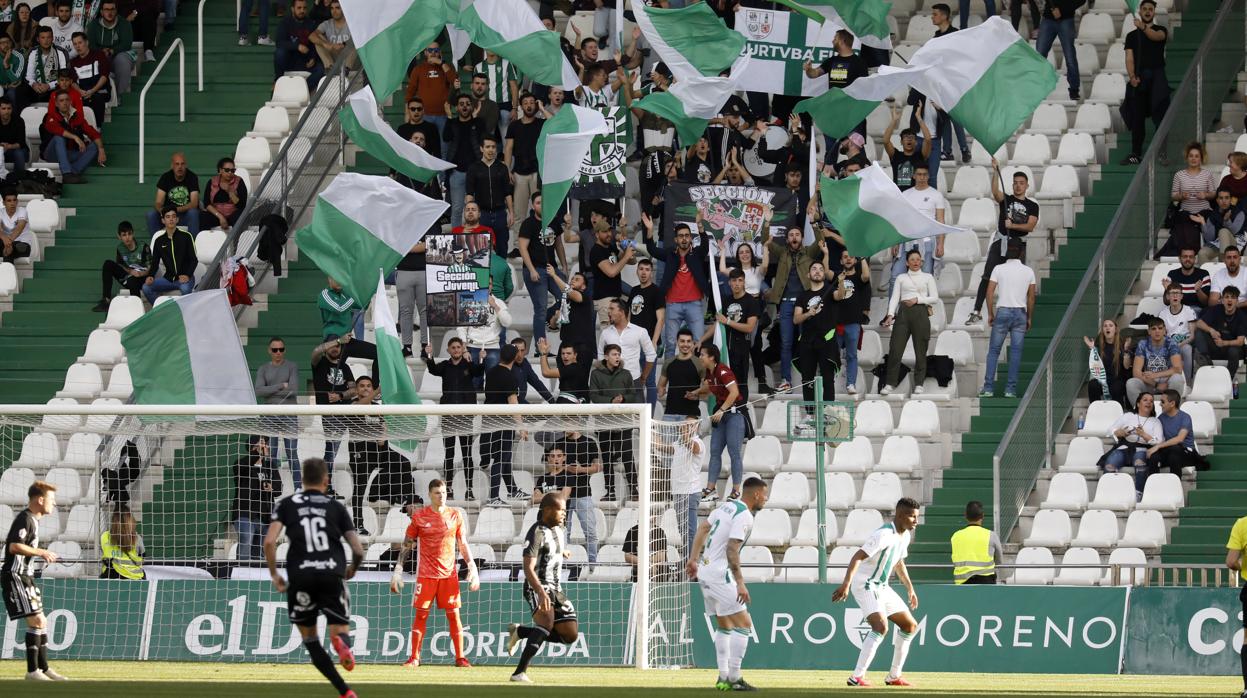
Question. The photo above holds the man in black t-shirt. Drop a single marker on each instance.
(841, 68)
(414, 123)
(816, 315)
(556, 479)
(539, 249)
(1018, 217)
(1194, 281)
(573, 374)
(519, 152)
(647, 307)
(583, 461)
(681, 378)
(740, 317)
(576, 317)
(1147, 89)
(178, 186)
(334, 384)
(22, 598)
(501, 388)
(607, 262)
(907, 159)
(1221, 332)
(316, 564)
(852, 312)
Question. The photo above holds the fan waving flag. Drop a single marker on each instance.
(369, 131)
(512, 30)
(392, 376)
(838, 111)
(561, 149)
(693, 41)
(871, 214)
(363, 222)
(186, 352)
(692, 101)
(389, 34)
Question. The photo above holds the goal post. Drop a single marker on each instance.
(196, 479)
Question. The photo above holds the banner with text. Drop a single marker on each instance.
(779, 43)
(732, 213)
(457, 271)
(602, 172)
(1196, 632)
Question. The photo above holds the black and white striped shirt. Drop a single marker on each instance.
(25, 530)
(546, 545)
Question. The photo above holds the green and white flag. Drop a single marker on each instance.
(363, 222)
(692, 101)
(389, 34)
(186, 351)
(392, 375)
(693, 41)
(837, 111)
(561, 148)
(779, 43)
(363, 125)
(867, 20)
(871, 214)
(512, 30)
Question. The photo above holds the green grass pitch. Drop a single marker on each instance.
(192, 680)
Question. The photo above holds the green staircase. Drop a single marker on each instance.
(1211, 509)
(970, 475)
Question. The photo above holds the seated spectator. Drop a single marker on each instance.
(1178, 319)
(660, 566)
(143, 16)
(1221, 332)
(332, 36)
(573, 374)
(524, 373)
(121, 547)
(13, 135)
(1134, 432)
(71, 141)
(91, 71)
(43, 63)
(1221, 228)
(23, 30)
(294, 50)
(1157, 364)
(1177, 451)
(1193, 187)
(226, 194)
(1235, 181)
(179, 187)
(1111, 365)
(256, 486)
(16, 237)
(1232, 274)
(128, 266)
(63, 24)
(174, 252)
(12, 69)
(66, 80)
(486, 336)
(114, 36)
(1194, 281)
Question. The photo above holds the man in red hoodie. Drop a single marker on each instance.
(70, 140)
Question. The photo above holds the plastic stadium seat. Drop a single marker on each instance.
(774, 419)
(66, 550)
(1115, 491)
(965, 305)
(971, 181)
(763, 454)
(1075, 149)
(60, 423)
(33, 118)
(757, 555)
(430, 386)
(1033, 575)
(290, 91)
(949, 280)
(856, 456)
(873, 418)
(919, 418)
(68, 484)
(963, 248)
(625, 519)
(800, 555)
(801, 458)
(1079, 576)
(577, 534)
(6, 516)
(8, 279)
(1082, 455)
(979, 155)
(80, 451)
(858, 526)
(395, 527)
(1093, 118)
(919, 31)
(253, 153)
(1115, 59)
(1150, 305)
(1097, 529)
(1109, 88)
(13, 485)
(1134, 567)
(120, 385)
(1067, 491)
(807, 528)
(840, 492)
(208, 244)
(871, 352)
(39, 450)
(1212, 384)
(900, 454)
(82, 524)
(1100, 417)
(771, 527)
(83, 381)
(271, 122)
(1203, 418)
(979, 213)
(790, 491)
(1031, 149)
(1162, 492)
(123, 310)
(103, 347)
(1051, 528)
(375, 551)
(1097, 28)
(838, 562)
(1047, 120)
(1088, 59)
(880, 491)
(1059, 182)
(43, 215)
(1145, 528)
(956, 345)
(617, 572)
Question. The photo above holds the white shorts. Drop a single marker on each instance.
(882, 600)
(721, 599)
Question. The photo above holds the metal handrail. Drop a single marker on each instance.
(1042, 388)
(181, 49)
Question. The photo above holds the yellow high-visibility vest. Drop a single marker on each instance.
(126, 563)
(972, 554)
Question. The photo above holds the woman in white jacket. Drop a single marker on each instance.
(485, 336)
(909, 311)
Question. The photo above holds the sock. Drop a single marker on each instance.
(869, 645)
(535, 638)
(323, 664)
(739, 643)
(723, 651)
(456, 632)
(417, 630)
(43, 650)
(900, 650)
(32, 651)
(1242, 659)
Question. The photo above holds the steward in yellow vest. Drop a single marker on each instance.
(975, 549)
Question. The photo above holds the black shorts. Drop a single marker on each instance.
(563, 608)
(310, 596)
(1242, 596)
(22, 598)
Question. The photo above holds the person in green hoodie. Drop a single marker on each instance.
(610, 382)
(174, 252)
(113, 35)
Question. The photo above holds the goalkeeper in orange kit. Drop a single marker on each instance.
(437, 528)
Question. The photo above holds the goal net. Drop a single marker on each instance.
(195, 486)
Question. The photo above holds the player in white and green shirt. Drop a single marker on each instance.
(715, 563)
(867, 577)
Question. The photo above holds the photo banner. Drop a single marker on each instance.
(602, 172)
(457, 271)
(734, 213)
(779, 43)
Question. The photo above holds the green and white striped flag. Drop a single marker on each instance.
(561, 148)
(692, 101)
(389, 34)
(512, 30)
(186, 351)
(837, 111)
(867, 20)
(363, 125)
(693, 41)
(363, 222)
(392, 375)
(871, 214)
(779, 43)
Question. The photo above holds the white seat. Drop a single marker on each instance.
(1109, 88)
(82, 525)
(8, 279)
(394, 528)
(1051, 529)
(68, 484)
(577, 534)
(979, 155)
(871, 352)
(1100, 417)
(66, 550)
(208, 244)
(1079, 576)
(979, 213)
(60, 423)
(757, 555)
(430, 386)
(1033, 575)
(1212, 384)
(1093, 118)
(771, 527)
(39, 450)
(880, 491)
(6, 516)
(949, 280)
(81, 449)
(253, 153)
(1149, 305)
(1082, 455)
(800, 555)
(14, 482)
(807, 528)
(290, 91)
(43, 215)
(971, 181)
(1031, 149)
(956, 345)
(1145, 528)
(33, 116)
(965, 306)
(1097, 529)
(103, 347)
(919, 418)
(839, 490)
(1203, 418)
(858, 526)
(1115, 59)
(790, 491)
(82, 381)
(1134, 567)
(615, 572)
(1162, 492)
(124, 310)
(376, 550)
(1067, 491)
(1096, 28)
(774, 419)
(624, 521)
(272, 121)
(838, 562)
(801, 458)
(120, 384)
(495, 526)
(900, 454)
(763, 454)
(962, 248)
(1114, 491)
(1059, 182)
(1160, 272)
(872, 418)
(1048, 120)
(919, 30)
(1075, 149)
(856, 456)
